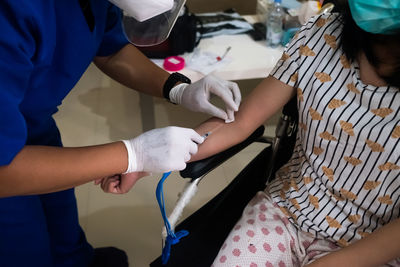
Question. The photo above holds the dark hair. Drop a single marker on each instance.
(354, 41)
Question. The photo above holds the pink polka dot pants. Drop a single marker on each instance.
(264, 237)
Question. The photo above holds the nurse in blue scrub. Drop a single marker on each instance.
(45, 47)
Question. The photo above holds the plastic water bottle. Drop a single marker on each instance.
(275, 24)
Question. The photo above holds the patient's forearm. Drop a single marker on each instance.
(222, 137)
(377, 249)
(264, 101)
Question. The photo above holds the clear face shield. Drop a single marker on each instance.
(149, 22)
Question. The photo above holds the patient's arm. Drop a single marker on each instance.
(265, 100)
(378, 248)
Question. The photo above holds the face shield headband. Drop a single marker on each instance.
(149, 22)
(376, 16)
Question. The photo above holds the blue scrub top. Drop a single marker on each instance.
(45, 47)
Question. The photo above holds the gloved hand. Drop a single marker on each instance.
(196, 96)
(162, 150)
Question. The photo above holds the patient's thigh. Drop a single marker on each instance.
(262, 237)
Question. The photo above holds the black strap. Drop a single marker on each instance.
(172, 80)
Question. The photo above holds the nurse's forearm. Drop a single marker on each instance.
(44, 169)
(133, 69)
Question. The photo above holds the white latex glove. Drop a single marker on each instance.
(196, 96)
(162, 150)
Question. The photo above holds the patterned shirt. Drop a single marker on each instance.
(342, 181)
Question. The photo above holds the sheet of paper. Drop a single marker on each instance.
(205, 62)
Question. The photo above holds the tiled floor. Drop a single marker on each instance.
(100, 110)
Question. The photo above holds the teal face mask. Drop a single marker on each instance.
(376, 16)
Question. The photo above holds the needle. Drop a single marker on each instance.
(206, 135)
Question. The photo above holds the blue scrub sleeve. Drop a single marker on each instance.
(17, 47)
(114, 38)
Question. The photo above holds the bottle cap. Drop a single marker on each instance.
(174, 63)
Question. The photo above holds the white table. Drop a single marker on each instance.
(249, 60)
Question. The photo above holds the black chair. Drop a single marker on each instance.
(210, 225)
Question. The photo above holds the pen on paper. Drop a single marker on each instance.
(219, 58)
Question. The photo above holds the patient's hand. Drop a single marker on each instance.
(121, 183)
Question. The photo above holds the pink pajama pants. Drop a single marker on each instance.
(265, 237)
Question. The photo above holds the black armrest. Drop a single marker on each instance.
(199, 168)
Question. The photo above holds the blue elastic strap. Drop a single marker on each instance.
(172, 238)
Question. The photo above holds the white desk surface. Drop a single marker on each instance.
(249, 59)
